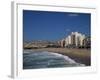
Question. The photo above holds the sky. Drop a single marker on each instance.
(47, 25)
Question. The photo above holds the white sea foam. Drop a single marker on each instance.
(52, 58)
(71, 61)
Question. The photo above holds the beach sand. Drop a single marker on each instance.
(79, 55)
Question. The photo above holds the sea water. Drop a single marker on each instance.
(45, 59)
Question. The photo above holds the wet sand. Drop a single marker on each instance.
(79, 55)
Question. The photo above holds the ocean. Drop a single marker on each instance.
(45, 59)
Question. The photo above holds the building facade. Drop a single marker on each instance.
(75, 39)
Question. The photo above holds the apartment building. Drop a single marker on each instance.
(75, 39)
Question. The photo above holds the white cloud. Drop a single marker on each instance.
(73, 14)
(67, 29)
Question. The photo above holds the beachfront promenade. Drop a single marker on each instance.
(79, 55)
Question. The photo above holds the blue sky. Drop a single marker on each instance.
(44, 25)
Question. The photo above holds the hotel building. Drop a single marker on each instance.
(75, 39)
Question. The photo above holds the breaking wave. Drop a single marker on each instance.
(45, 59)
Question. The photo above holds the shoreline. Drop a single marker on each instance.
(82, 56)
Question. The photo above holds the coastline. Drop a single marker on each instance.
(79, 55)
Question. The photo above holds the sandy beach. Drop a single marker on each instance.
(79, 55)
